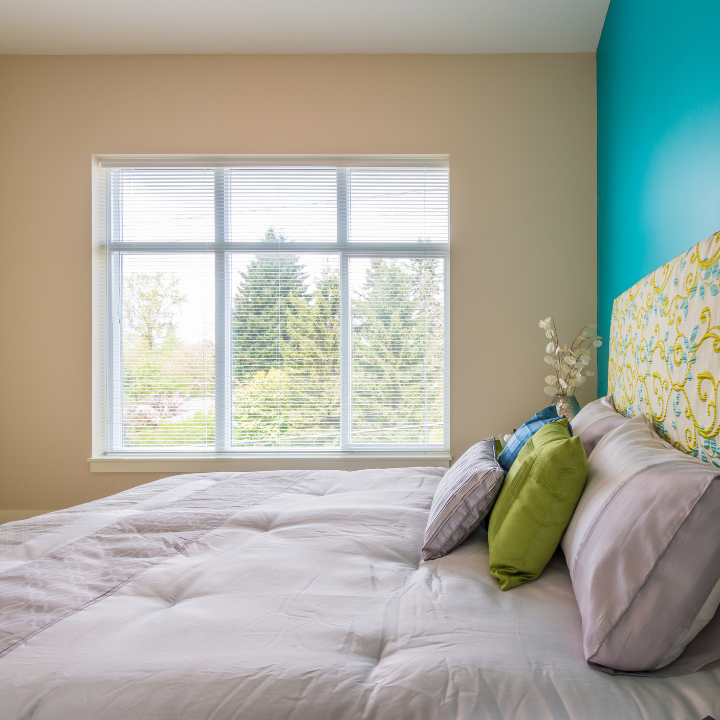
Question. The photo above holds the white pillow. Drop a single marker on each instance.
(643, 548)
(594, 421)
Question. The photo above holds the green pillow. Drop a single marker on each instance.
(536, 504)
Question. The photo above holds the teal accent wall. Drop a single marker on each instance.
(658, 84)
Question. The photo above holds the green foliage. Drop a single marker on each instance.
(164, 385)
(286, 351)
(197, 429)
(286, 408)
(162, 377)
(398, 353)
(183, 368)
(263, 309)
(313, 341)
(297, 403)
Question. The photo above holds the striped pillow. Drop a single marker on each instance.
(462, 499)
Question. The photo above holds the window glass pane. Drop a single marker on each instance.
(399, 205)
(397, 351)
(285, 351)
(283, 204)
(279, 310)
(162, 204)
(168, 353)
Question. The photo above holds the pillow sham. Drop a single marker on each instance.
(594, 421)
(516, 443)
(462, 499)
(643, 549)
(535, 504)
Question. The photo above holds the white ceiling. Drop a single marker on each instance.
(299, 26)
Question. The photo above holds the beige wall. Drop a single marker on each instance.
(520, 132)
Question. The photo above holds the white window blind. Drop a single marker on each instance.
(271, 307)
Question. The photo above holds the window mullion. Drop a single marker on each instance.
(223, 364)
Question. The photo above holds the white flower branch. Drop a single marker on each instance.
(570, 363)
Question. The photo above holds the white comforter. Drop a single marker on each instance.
(315, 604)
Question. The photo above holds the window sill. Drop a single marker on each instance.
(278, 461)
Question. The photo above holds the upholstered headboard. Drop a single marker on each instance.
(665, 350)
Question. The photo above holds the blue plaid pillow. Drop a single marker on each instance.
(524, 433)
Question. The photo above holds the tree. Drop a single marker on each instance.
(149, 302)
(314, 327)
(297, 401)
(263, 307)
(397, 352)
(430, 322)
(155, 384)
(312, 358)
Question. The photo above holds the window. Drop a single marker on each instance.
(272, 306)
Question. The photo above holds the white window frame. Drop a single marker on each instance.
(106, 329)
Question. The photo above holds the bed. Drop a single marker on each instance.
(302, 596)
(310, 600)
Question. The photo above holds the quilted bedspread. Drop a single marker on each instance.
(298, 596)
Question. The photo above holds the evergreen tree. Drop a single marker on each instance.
(297, 403)
(313, 357)
(397, 351)
(263, 307)
(428, 292)
(314, 327)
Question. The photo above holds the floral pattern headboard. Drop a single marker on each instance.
(665, 350)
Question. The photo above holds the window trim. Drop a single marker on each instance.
(266, 461)
(106, 331)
